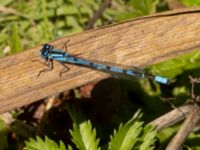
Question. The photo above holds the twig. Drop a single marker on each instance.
(193, 81)
(187, 126)
(172, 117)
(168, 100)
(98, 13)
(190, 122)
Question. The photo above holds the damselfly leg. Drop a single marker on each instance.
(65, 48)
(64, 70)
(50, 66)
(43, 63)
(65, 45)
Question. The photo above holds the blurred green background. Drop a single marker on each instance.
(26, 23)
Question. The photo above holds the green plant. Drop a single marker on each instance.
(29, 23)
(83, 136)
(138, 8)
(45, 144)
(191, 2)
(3, 135)
(130, 135)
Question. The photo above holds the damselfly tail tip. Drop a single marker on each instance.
(162, 80)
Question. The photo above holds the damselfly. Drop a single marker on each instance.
(50, 54)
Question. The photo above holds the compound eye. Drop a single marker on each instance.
(46, 46)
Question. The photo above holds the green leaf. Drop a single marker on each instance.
(193, 141)
(83, 136)
(148, 138)
(15, 39)
(165, 134)
(191, 2)
(177, 65)
(179, 90)
(127, 135)
(144, 7)
(69, 10)
(138, 8)
(3, 135)
(23, 129)
(46, 26)
(73, 24)
(47, 144)
(3, 3)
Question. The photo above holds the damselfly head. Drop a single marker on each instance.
(46, 49)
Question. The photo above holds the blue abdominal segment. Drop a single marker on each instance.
(99, 66)
(115, 69)
(161, 79)
(130, 72)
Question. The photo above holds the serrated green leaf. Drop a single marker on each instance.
(62, 145)
(40, 144)
(148, 138)
(127, 135)
(69, 147)
(83, 136)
